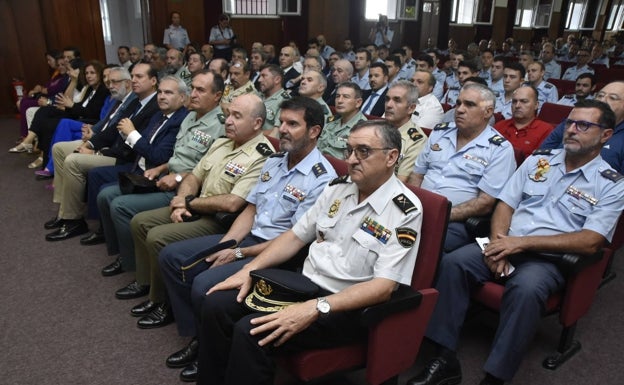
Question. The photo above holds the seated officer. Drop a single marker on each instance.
(364, 234)
(333, 139)
(557, 202)
(220, 182)
(583, 89)
(198, 131)
(289, 184)
(468, 162)
(613, 150)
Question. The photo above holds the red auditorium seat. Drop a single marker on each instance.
(554, 113)
(396, 328)
(564, 87)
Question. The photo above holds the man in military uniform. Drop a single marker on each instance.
(496, 80)
(401, 101)
(313, 84)
(547, 92)
(452, 80)
(369, 219)
(289, 184)
(271, 80)
(468, 162)
(582, 58)
(240, 84)
(552, 69)
(220, 182)
(362, 64)
(429, 111)
(487, 57)
(201, 127)
(570, 206)
(613, 150)
(513, 77)
(583, 89)
(465, 70)
(333, 140)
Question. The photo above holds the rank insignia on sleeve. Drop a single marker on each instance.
(221, 118)
(612, 175)
(406, 236)
(497, 140)
(264, 149)
(404, 203)
(333, 209)
(414, 134)
(318, 169)
(340, 179)
(265, 177)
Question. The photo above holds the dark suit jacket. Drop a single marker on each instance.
(91, 113)
(380, 106)
(161, 148)
(110, 142)
(291, 74)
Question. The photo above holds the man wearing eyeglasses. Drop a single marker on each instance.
(558, 202)
(467, 161)
(364, 234)
(613, 150)
(582, 58)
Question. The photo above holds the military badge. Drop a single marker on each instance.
(406, 236)
(542, 168)
(333, 209)
(265, 177)
(435, 147)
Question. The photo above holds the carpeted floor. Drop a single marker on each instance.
(60, 322)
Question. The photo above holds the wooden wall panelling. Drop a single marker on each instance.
(193, 18)
(329, 18)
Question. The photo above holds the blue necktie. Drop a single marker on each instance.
(372, 97)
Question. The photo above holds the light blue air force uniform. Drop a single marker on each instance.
(546, 202)
(281, 197)
(485, 164)
(546, 92)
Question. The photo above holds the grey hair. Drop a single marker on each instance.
(412, 90)
(125, 75)
(182, 87)
(485, 93)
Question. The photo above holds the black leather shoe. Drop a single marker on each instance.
(439, 371)
(159, 317)
(144, 308)
(94, 238)
(113, 269)
(189, 374)
(133, 290)
(185, 356)
(53, 223)
(69, 229)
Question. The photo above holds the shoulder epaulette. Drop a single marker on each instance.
(280, 154)
(548, 85)
(441, 126)
(264, 149)
(326, 110)
(542, 151)
(318, 169)
(569, 96)
(415, 113)
(333, 117)
(414, 134)
(404, 203)
(612, 175)
(221, 118)
(340, 179)
(286, 94)
(497, 140)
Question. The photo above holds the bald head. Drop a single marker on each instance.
(613, 95)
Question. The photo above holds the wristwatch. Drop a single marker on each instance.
(238, 254)
(323, 306)
(187, 202)
(178, 178)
